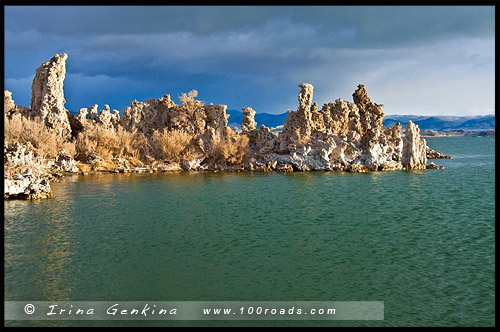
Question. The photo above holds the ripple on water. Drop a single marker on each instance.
(422, 242)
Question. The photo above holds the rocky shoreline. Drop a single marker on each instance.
(44, 142)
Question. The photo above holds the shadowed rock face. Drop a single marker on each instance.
(262, 141)
(47, 94)
(371, 117)
(414, 148)
(75, 125)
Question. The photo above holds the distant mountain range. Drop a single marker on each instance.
(467, 123)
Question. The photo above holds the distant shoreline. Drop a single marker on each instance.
(454, 133)
(457, 133)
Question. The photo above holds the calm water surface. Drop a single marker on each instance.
(423, 241)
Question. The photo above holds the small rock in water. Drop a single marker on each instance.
(431, 166)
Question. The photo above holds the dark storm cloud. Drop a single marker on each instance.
(239, 55)
(380, 24)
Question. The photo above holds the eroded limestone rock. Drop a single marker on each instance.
(433, 154)
(29, 187)
(93, 113)
(8, 102)
(248, 123)
(24, 176)
(66, 162)
(107, 119)
(208, 122)
(371, 117)
(298, 125)
(82, 115)
(11, 109)
(262, 140)
(344, 136)
(414, 148)
(47, 95)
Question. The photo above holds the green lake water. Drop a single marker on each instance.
(421, 241)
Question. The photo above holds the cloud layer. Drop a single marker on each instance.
(418, 60)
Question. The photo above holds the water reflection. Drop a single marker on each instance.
(415, 178)
(55, 249)
(39, 246)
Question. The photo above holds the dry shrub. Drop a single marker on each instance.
(109, 143)
(188, 101)
(215, 152)
(232, 149)
(131, 144)
(173, 146)
(236, 147)
(85, 144)
(96, 139)
(13, 129)
(47, 143)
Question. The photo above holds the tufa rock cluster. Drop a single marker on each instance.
(341, 136)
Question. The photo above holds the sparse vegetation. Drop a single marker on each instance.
(171, 146)
(236, 147)
(189, 102)
(110, 143)
(132, 144)
(231, 149)
(45, 141)
(95, 139)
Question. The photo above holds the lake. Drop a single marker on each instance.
(421, 241)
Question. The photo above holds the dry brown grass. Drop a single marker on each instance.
(232, 149)
(110, 143)
(167, 145)
(46, 142)
(172, 146)
(236, 147)
(95, 139)
(85, 145)
(131, 144)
